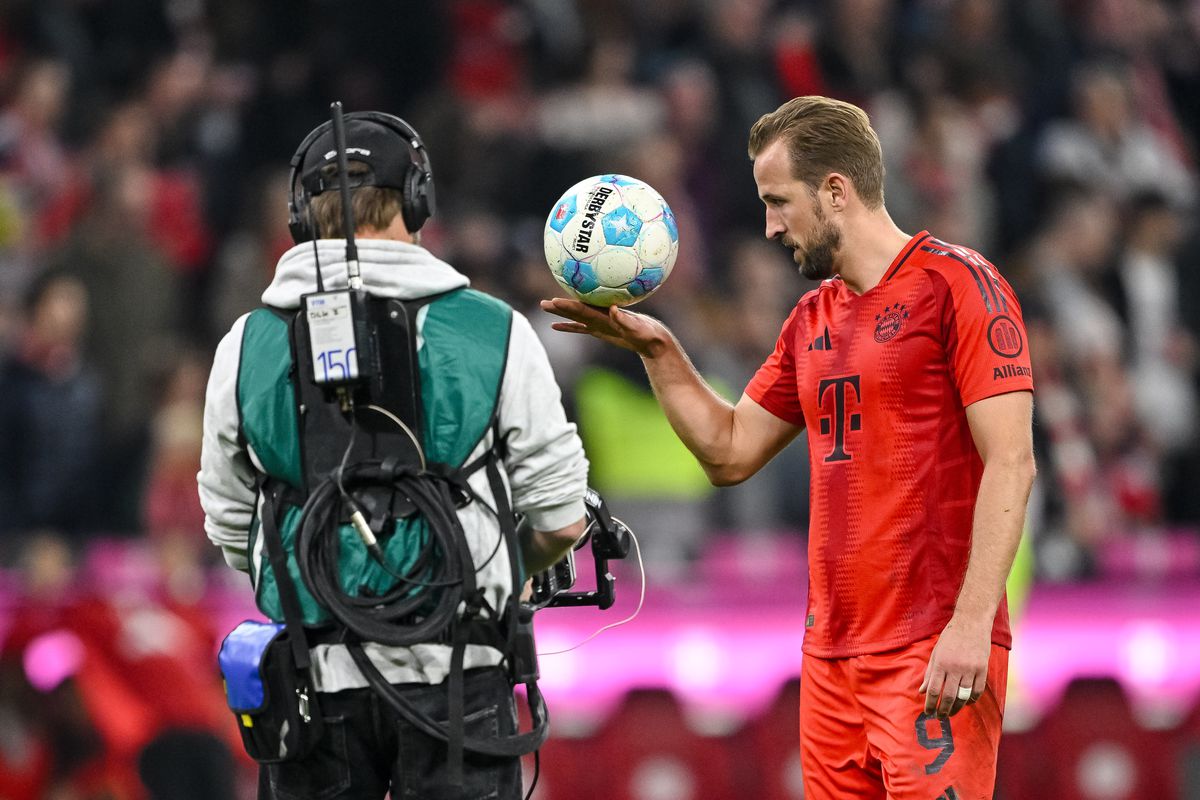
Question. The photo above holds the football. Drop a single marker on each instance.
(611, 240)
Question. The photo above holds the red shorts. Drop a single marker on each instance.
(864, 733)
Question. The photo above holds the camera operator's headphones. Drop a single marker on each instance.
(393, 152)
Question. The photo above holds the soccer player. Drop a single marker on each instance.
(909, 369)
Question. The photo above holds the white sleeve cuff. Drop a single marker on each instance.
(554, 518)
(236, 559)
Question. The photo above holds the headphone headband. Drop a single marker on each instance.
(416, 189)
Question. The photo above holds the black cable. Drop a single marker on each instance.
(423, 604)
(537, 770)
(345, 459)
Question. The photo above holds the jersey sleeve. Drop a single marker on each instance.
(774, 385)
(985, 336)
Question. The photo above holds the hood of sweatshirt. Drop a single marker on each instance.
(388, 269)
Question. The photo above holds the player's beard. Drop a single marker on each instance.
(815, 259)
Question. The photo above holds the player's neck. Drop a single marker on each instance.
(870, 242)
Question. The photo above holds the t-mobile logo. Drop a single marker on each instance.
(841, 418)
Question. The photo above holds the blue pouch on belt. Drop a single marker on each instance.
(271, 698)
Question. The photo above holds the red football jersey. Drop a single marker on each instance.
(881, 381)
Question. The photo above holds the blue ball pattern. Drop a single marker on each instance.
(580, 275)
(672, 227)
(646, 281)
(621, 227)
(617, 180)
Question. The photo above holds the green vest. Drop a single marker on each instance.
(463, 338)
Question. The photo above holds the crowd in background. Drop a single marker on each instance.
(143, 168)
(143, 182)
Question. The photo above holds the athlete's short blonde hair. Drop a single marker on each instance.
(824, 135)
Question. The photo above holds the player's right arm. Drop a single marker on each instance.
(731, 442)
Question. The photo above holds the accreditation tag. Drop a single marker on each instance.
(331, 335)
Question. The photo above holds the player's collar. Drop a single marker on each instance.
(905, 252)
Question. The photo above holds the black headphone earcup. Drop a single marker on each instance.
(415, 202)
(428, 199)
(298, 224)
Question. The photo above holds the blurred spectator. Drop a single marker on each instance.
(857, 48)
(32, 152)
(1107, 146)
(1105, 469)
(49, 418)
(120, 676)
(1156, 294)
(40, 663)
(246, 260)
(133, 293)
(606, 109)
(1067, 261)
(938, 153)
(1143, 33)
(171, 506)
(760, 288)
(144, 146)
(34, 174)
(1163, 354)
(660, 161)
(143, 202)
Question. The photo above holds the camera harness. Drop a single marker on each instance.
(357, 388)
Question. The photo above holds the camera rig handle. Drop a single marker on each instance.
(610, 539)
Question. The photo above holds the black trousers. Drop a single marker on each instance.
(367, 750)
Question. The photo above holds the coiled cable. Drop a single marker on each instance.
(422, 605)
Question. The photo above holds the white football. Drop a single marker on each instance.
(611, 240)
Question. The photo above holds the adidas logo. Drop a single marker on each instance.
(822, 342)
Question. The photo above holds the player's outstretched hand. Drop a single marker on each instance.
(615, 325)
(958, 666)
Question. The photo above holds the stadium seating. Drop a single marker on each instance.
(1090, 747)
(768, 748)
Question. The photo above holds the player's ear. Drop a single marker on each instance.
(838, 187)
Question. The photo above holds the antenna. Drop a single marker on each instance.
(353, 279)
(340, 336)
(312, 226)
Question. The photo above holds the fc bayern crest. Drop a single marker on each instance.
(889, 322)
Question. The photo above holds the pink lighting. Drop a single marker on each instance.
(696, 662)
(732, 658)
(52, 658)
(1146, 638)
(1147, 656)
(728, 642)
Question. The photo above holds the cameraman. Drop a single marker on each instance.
(366, 750)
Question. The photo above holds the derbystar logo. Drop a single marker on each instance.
(583, 241)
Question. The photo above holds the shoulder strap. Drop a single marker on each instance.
(518, 646)
(516, 745)
(292, 615)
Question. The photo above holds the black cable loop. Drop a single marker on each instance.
(387, 619)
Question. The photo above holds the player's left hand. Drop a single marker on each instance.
(959, 659)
